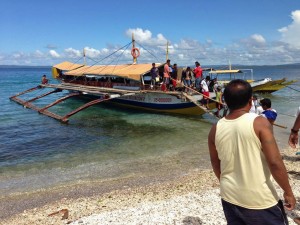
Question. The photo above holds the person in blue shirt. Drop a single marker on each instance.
(268, 112)
(154, 76)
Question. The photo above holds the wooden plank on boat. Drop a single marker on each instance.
(51, 114)
(25, 103)
(24, 92)
(196, 103)
(88, 89)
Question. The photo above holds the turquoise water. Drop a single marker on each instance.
(100, 143)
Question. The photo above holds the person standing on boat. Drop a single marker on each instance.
(154, 75)
(205, 91)
(198, 75)
(167, 74)
(245, 159)
(293, 139)
(174, 76)
(186, 78)
(44, 79)
(268, 112)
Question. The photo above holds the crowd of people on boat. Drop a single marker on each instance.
(192, 81)
(189, 78)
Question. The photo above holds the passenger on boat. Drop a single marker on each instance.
(44, 79)
(154, 76)
(186, 78)
(166, 80)
(174, 76)
(293, 139)
(205, 91)
(213, 85)
(268, 112)
(198, 74)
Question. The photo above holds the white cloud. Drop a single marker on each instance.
(145, 37)
(73, 53)
(54, 54)
(18, 55)
(91, 52)
(38, 54)
(290, 34)
(258, 38)
(251, 50)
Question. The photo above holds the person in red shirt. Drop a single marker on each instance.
(198, 75)
(44, 79)
(167, 74)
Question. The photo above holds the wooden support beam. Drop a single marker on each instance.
(25, 104)
(51, 114)
(91, 103)
(60, 100)
(24, 92)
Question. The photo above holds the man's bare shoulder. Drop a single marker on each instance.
(212, 132)
(261, 124)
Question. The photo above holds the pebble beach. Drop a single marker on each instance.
(189, 199)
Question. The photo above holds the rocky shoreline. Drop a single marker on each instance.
(189, 199)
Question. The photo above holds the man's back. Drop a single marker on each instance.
(244, 153)
(245, 176)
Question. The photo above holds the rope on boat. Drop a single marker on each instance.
(292, 88)
(148, 51)
(96, 62)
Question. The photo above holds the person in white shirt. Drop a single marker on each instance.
(205, 91)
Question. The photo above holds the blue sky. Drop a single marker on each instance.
(256, 32)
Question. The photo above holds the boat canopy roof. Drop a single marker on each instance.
(67, 66)
(225, 71)
(130, 71)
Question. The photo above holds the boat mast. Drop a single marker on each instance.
(133, 47)
(167, 53)
(84, 59)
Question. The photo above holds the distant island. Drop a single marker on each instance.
(22, 66)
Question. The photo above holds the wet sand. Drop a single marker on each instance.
(189, 199)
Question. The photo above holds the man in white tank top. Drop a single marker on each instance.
(245, 156)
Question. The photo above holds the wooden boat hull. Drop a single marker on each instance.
(158, 102)
(272, 86)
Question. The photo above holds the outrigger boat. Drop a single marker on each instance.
(126, 85)
(266, 85)
(273, 85)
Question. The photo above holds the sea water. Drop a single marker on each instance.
(101, 142)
